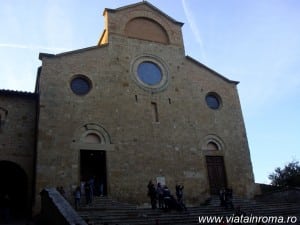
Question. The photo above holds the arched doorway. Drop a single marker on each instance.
(94, 144)
(14, 186)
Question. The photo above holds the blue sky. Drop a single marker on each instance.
(252, 41)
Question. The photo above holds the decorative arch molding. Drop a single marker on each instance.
(146, 29)
(212, 139)
(98, 130)
(92, 136)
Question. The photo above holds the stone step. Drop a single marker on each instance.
(107, 211)
(165, 218)
(105, 203)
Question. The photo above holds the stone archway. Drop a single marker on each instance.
(94, 145)
(14, 184)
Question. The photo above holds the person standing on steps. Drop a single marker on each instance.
(160, 195)
(87, 191)
(152, 194)
(77, 196)
(91, 183)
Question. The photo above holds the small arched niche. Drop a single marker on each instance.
(212, 146)
(92, 138)
(146, 29)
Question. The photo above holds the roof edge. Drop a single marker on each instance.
(211, 70)
(46, 55)
(148, 4)
(18, 93)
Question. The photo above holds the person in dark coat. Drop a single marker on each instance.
(152, 194)
(160, 195)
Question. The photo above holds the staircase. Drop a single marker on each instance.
(105, 210)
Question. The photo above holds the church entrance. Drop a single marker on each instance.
(216, 173)
(14, 189)
(93, 165)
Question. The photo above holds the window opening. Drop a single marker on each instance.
(80, 85)
(149, 73)
(213, 101)
(155, 111)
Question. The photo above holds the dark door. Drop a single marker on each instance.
(93, 165)
(216, 173)
(13, 187)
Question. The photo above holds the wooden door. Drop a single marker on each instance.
(216, 173)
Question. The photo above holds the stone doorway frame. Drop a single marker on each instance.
(80, 143)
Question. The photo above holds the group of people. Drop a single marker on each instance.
(90, 189)
(165, 199)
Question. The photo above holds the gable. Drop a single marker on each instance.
(141, 21)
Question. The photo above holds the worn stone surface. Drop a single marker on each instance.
(173, 147)
(146, 132)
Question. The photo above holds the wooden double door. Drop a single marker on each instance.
(216, 173)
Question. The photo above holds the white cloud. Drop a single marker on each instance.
(193, 24)
(58, 29)
(31, 47)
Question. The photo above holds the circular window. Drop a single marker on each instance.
(80, 85)
(149, 73)
(213, 101)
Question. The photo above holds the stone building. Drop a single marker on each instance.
(130, 109)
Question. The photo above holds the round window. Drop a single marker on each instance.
(213, 101)
(149, 73)
(80, 85)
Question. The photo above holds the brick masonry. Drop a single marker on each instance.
(119, 110)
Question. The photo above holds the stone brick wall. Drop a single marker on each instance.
(278, 194)
(170, 147)
(140, 148)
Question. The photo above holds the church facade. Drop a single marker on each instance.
(130, 109)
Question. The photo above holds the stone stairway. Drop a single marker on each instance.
(107, 211)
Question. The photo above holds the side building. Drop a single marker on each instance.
(18, 148)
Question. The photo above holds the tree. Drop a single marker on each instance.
(288, 176)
